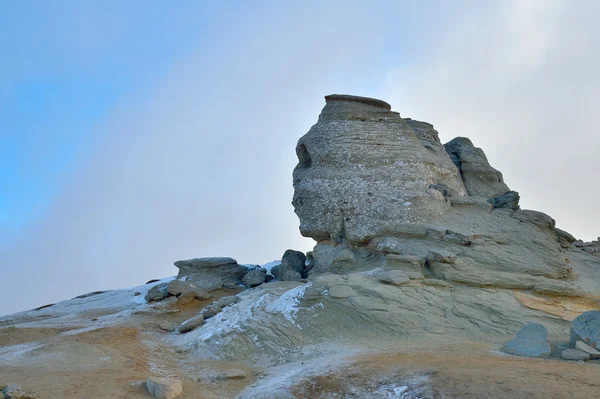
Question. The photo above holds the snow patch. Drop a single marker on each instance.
(288, 303)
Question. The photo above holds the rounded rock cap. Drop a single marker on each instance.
(357, 99)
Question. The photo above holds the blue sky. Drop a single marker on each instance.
(138, 133)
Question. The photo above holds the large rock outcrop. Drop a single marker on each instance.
(379, 191)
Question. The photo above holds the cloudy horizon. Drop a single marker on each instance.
(136, 135)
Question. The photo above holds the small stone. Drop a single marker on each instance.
(164, 388)
(137, 293)
(191, 324)
(186, 297)
(233, 374)
(395, 277)
(574, 354)
(255, 277)
(167, 326)
(530, 341)
(582, 346)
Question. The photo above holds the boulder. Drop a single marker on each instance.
(574, 354)
(530, 341)
(191, 324)
(583, 347)
(164, 388)
(226, 269)
(255, 277)
(479, 177)
(204, 281)
(586, 328)
(186, 297)
(292, 266)
(157, 292)
(275, 271)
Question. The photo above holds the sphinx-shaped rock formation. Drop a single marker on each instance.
(379, 191)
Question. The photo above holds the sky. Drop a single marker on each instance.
(138, 133)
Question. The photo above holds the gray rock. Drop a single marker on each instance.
(508, 200)
(233, 374)
(292, 266)
(164, 388)
(255, 277)
(218, 305)
(158, 292)
(574, 354)
(564, 238)
(395, 277)
(13, 391)
(530, 341)
(341, 291)
(275, 271)
(226, 269)
(586, 328)
(479, 177)
(167, 326)
(186, 297)
(191, 324)
(582, 346)
(205, 281)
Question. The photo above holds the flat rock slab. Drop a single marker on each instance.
(531, 341)
(200, 263)
(574, 354)
(582, 346)
(586, 328)
(164, 388)
(396, 277)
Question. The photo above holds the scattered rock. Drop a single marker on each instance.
(586, 328)
(137, 293)
(530, 341)
(154, 280)
(89, 294)
(255, 277)
(167, 326)
(44, 306)
(164, 388)
(186, 297)
(574, 354)
(158, 292)
(582, 346)
(191, 324)
(233, 374)
(395, 277)
(13, 391)
(292, 266)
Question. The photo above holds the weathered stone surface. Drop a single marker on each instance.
(233, 374)
(531, 341)
(574, 354)
(164, 388)
(395, 277)
(191, 324)
(255, 277)
(479, 177)
(186, 297)
(370, 185)
(582, 346)
(341, 291)
(215, 307)
(158, 292)
(586, 328)
(508, 200)
(204, 281)
(227, 269)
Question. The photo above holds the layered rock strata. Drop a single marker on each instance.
(379, 191)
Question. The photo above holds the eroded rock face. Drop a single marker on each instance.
(371, 186)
